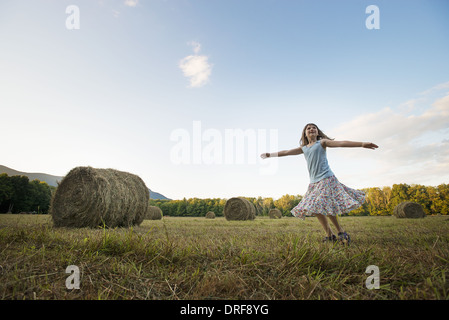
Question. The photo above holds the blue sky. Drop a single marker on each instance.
(121, 91)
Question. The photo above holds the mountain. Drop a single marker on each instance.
(157, 196)
(53, 180)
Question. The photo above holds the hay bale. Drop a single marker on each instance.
(398, 212)
(239, 209)
(153, 213)
(90, 197)
(210, 215)
(409, 209)
(252, 214)
(275, 213)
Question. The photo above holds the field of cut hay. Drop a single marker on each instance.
(199, 258)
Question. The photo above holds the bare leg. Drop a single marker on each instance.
(334, 221)
(322, 219)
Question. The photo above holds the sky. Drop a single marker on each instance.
(188, 93)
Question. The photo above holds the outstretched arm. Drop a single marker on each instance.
(283, 153)
(347, 144)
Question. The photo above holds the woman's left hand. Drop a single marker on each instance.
(369, 145)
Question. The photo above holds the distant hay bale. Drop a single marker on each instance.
(275, 213)
(210, 215)
(153, 213)
(90, 197)
(398, 212)
(252, 213)
(409, 209)
(239, 209)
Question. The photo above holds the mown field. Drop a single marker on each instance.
(198, 258)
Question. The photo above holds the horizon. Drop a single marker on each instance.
(275, 199)
(188, 94)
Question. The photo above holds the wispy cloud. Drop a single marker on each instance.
(439, 87)
(413, 147)
(196, 67)
(131, 3)
(196, 46)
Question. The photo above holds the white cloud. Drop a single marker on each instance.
(196, 46)
(196, 67)
(131, 3)
(413, 147)
(441, 86)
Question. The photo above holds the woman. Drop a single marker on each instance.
(325, 196)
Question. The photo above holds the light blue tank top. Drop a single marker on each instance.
(317, 162)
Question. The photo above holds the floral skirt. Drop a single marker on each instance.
(328, 197)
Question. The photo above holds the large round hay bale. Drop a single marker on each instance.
(90, 197)
(153, 213)
(239, 209)
(409, 209)
(275, 213)
(210, 215)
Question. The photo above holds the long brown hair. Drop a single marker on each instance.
(321, 135)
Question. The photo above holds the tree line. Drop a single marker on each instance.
(19, 194)
(195, 207)
(379, 202)
(382, 201)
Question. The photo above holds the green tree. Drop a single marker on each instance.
(286, 203)
(39, 196)
(18, 194)
(267, 204)
(418, 193)
(443, 191)
(182, 207)
(439, 199)
(20, 200)
(399, 193)
(377, 204)
(6, 192)
(387, 198)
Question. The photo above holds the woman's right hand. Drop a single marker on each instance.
(265, 155)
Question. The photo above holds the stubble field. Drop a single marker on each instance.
(207, 259)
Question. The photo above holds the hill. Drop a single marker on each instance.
(53, 180)
(157, 196)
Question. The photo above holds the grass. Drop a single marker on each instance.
(198, 258)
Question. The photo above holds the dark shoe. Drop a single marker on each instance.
(332, 238)
(344, 238)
